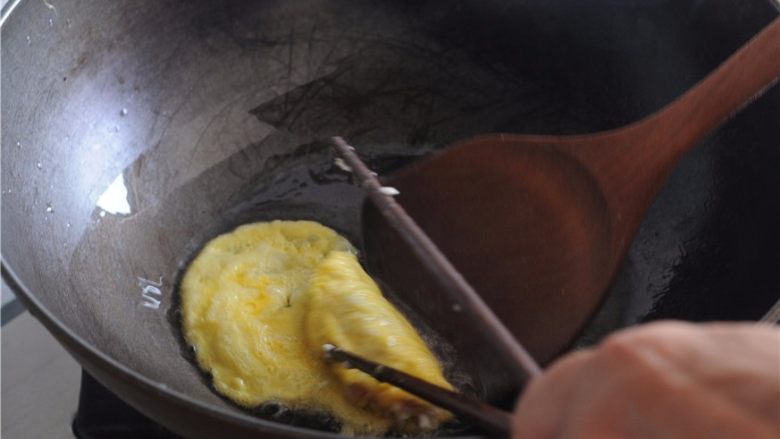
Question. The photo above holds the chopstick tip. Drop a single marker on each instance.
(340, 142)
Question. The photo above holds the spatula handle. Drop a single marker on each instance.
(744, 76)
(649, 148)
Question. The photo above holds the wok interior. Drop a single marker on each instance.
(143, 132)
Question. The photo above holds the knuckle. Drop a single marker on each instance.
(652, 337)
(669, 328)
(648, 356)
(566, 365)
(623, 348)
(576, 358)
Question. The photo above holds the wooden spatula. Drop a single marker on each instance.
(540, 224)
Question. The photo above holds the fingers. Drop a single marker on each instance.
(664, 379)
(545, 401)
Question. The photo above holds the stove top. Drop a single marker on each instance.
(102, 415)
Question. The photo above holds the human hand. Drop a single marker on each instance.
(661, 380)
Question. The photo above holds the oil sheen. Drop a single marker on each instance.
(258, 304)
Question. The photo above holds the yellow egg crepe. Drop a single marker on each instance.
(258, 304)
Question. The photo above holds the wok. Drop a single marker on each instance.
(132, 132)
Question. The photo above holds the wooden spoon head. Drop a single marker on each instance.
(526, 225)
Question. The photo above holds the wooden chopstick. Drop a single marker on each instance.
(470, 409)
(433, 260)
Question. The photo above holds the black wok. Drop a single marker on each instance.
(134, 131)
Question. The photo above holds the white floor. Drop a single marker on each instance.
(40, 382)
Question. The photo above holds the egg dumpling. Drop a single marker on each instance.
(258, 304)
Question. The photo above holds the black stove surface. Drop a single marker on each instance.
(102, 415)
